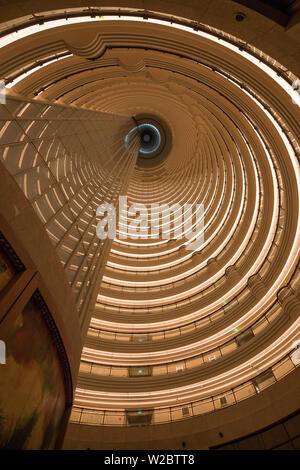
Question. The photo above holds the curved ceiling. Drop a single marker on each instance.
(215, 314)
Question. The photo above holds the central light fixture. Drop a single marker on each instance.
(155, 139)
(150, 137)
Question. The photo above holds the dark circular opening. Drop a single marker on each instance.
(155, 140)
(151, 139)
(240, 17)
(146, 137)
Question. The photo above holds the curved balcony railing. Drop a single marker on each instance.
(142, 417)
(18, 24)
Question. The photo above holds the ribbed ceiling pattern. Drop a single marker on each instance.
(172, 327)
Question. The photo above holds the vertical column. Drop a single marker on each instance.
(289, 302)
(68, 161)
(212, 266)
(232, 275)
(257, 286)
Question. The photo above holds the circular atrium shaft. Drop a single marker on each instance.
(189, 313)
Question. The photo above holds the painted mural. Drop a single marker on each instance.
(32, 394)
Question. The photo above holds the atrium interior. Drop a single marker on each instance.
(184, 335)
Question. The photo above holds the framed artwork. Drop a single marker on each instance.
(32, 388)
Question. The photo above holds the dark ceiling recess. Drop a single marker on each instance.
(286, 6)
(277, 10)
(240, 17)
